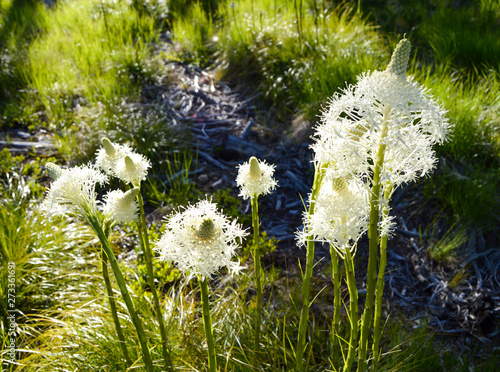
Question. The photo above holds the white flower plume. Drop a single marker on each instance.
(109, 154)
(340, 215)
(132, 168)
(255, 178)
(382, 108)
(121, 206)
(121, 162)
(200, 240)
(73, 191)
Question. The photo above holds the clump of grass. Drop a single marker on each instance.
(97, 52)
(446, 248)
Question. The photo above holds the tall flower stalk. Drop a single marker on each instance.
(73, 192)
(146, 249)
(385, 222)
(375, 136)
(207, 324)
(200, 241)
(373, 236)
(258, 272)
(336, 298)
(319, 174)
(131, 168)
(353, 310)
(96, 226)
(256, 178)
(112, 304)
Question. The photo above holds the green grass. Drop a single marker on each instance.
(465, 37)
(296, 54)
(467, 181)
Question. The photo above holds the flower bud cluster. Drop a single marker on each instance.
(121, 206)
(121, 162)
(73, 189)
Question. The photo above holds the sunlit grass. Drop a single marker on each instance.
(96, 51)
(464, 37)
(468, 177)
(296, 54)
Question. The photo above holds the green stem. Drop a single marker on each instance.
(306, 279)
(353, 310)
(112, 305)
(207, 322)
(5, 317)
(373, 245)
(144, 240)
(336, 298)
(380, 283)
(96, 226)
(258, 273)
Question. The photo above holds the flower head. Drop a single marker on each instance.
(200, 240)
(109, 154)
(400, 58)
(132, 168)
(383, 108)
(255, 178)
(73, 191)
(54, 170)
(121, 206)
(340, 216)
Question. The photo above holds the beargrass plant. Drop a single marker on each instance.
(73, 192)
(374, 137)
(255, 178)
(201, 240)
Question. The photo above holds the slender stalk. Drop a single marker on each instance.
(353, 310)
(5, 317)
(336, 298)
(373, 245)
(112, 305)
(380, 283)
(207, 322)
(306, 278)
(96, 226)
(258, 273)
(146, 248)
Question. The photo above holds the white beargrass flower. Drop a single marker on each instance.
(200, 240)
(121, 206)
(109, 154)
(73, 191)
(340, 216)
(132, 168)
(382, 108)
(255, 178)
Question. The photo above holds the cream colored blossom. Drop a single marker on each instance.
(109, 154)
(73, 191)
(133, 168)
(255, 178)
(382, 108)
(200, 240)
(121, 206)
(340, 216)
